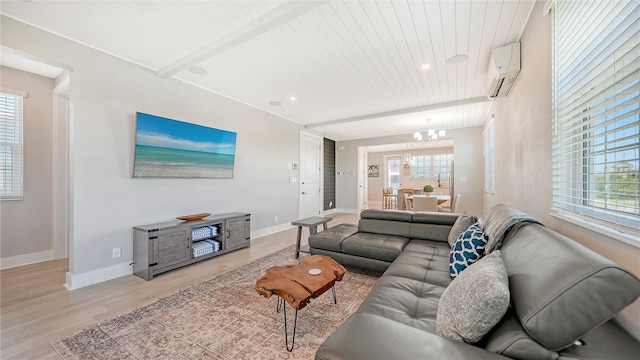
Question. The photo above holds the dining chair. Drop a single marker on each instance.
(454, 205)
(407, 202)
(425, 203)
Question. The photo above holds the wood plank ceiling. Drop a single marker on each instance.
(355, 68)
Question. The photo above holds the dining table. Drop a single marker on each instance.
(441, 198)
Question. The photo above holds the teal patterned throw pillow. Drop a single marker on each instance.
(468, 248)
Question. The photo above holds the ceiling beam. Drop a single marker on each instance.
(400, 112)
(274, 18)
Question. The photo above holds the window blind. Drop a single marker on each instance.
(596, 104)
(489, 158)
(11, 146)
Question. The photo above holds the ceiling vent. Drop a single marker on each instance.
(504, 67)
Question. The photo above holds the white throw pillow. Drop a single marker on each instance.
(475, 301)
(462, 223)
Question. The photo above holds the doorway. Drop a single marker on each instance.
(363, 177)
(59, 192)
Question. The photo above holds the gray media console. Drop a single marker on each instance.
(162, 247)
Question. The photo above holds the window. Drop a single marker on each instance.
(435, 166)
(596, 99)
(489, 155)
(10, 146)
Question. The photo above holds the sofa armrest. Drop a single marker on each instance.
(368, 336)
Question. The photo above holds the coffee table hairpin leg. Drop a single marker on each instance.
(281, 306)
(286, 332)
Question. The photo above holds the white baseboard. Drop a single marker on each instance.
(348, 211)
(76, 281)
(282, 227)
(270, 230)
(26, 259)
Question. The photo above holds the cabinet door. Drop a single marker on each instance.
(237, 235)
(173, 247)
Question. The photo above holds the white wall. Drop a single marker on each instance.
(468, 160)
(107, 202)
(523, 152)
(26, 225)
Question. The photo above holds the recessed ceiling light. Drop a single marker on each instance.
(456, 59)
(425, 66)
(197, 70)
(275, 103)
(293, 98)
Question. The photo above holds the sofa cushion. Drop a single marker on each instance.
(374, 246)
(468, 249)
(561, 290)
(429, 232)
(366, 336)
(384, 227)
(431, 225)
(385, 222)
(393, 215)
(475, 301)
(423, 260)
(331, 239)
(408, 301)
(434, 218)
(461, 225)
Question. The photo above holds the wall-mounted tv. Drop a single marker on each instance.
(167, 148)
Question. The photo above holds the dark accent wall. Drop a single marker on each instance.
(329, 174)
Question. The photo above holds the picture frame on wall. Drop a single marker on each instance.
(167, 148)
(374, 171)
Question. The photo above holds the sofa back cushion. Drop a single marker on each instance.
(385, 222)
(432, 225)
(393, 215)
(560, 290)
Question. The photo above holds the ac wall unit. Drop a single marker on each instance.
(504, 67)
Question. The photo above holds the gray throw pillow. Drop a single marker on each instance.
(475, 301)
(461, 225)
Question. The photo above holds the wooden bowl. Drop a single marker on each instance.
(193, 217)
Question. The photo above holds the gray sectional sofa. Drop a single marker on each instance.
(562, 297)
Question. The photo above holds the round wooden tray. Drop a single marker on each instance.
(193, 216)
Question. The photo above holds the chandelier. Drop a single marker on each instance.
(432, 135)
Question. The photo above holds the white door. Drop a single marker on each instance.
(393, 170)
(310, 175)
(363, 178)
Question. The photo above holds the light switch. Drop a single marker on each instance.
(292, 179)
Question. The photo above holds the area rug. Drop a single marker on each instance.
(220, 318)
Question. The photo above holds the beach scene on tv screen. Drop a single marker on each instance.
(176, 149)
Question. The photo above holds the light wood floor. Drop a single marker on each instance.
(35, 309)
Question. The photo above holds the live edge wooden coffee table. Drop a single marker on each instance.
(298, 284)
